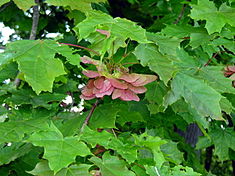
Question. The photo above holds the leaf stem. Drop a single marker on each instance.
(131, 63)
(89, 115)
(209, 61)
(181, 14)
(79, 46)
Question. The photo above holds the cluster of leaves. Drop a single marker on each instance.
(187, 45)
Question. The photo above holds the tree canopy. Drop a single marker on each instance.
(117, 88)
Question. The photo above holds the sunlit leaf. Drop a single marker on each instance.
(58, 150)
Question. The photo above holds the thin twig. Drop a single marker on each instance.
(131, 63)
(89, 115)
(209, 61)
(33, 32)
(79, 46)
(181, 14)
(139, 165)
(114, 133)
(5, 6)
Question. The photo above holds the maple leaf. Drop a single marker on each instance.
(215, 18)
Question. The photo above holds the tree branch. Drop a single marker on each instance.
(89, 115)
(209, 61)
(79, 46)
(181, 14)
(35, 21)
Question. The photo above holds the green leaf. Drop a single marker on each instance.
(153, 143)
(82, 5)
(42, 169)
(183, 171)
(123, 28)
(167, 45)
(25, 4)
(9, 71)
(226, 105)
(108, 141)
(214, 76)
(128, 152)
(229, 44)
(93, 137)
(215, 19)
(125, 115)
(65, 50)
(88, 26)
(73, 125)
(203, 142)
(223, 139)
(3, 2)
(118, 27)
(175, 171)
(200, 38)
(139, 171)
(189, 114)
(180, 31)
(27, 96)
(155, 94)
(58, 150)
(6, 58)
(171, 152)
(14, 131)
(111, 166)
(186, 62)
(75, 170)
(11, 153)
(149, 55)
(103, 117)
(41, 71)
(198, 94)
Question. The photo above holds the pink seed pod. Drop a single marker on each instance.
(229, 70)
(125, 87)
(91, 74)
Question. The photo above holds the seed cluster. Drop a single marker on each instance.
(230, 72)
(125, 86)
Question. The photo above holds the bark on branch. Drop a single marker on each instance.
(35, 21)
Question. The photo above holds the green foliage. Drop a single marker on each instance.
(223, 139)
(59, 151)
(206, 10)
(197, 93)
(46, 129)
(111, 165)
(149, 55)
(82, 5)
(42, 169)
(24, 5)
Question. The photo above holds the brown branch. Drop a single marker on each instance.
(209, 61)
(89, 115)
(181, 14)
(35, 21)
(79, 46)
(139, 165)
